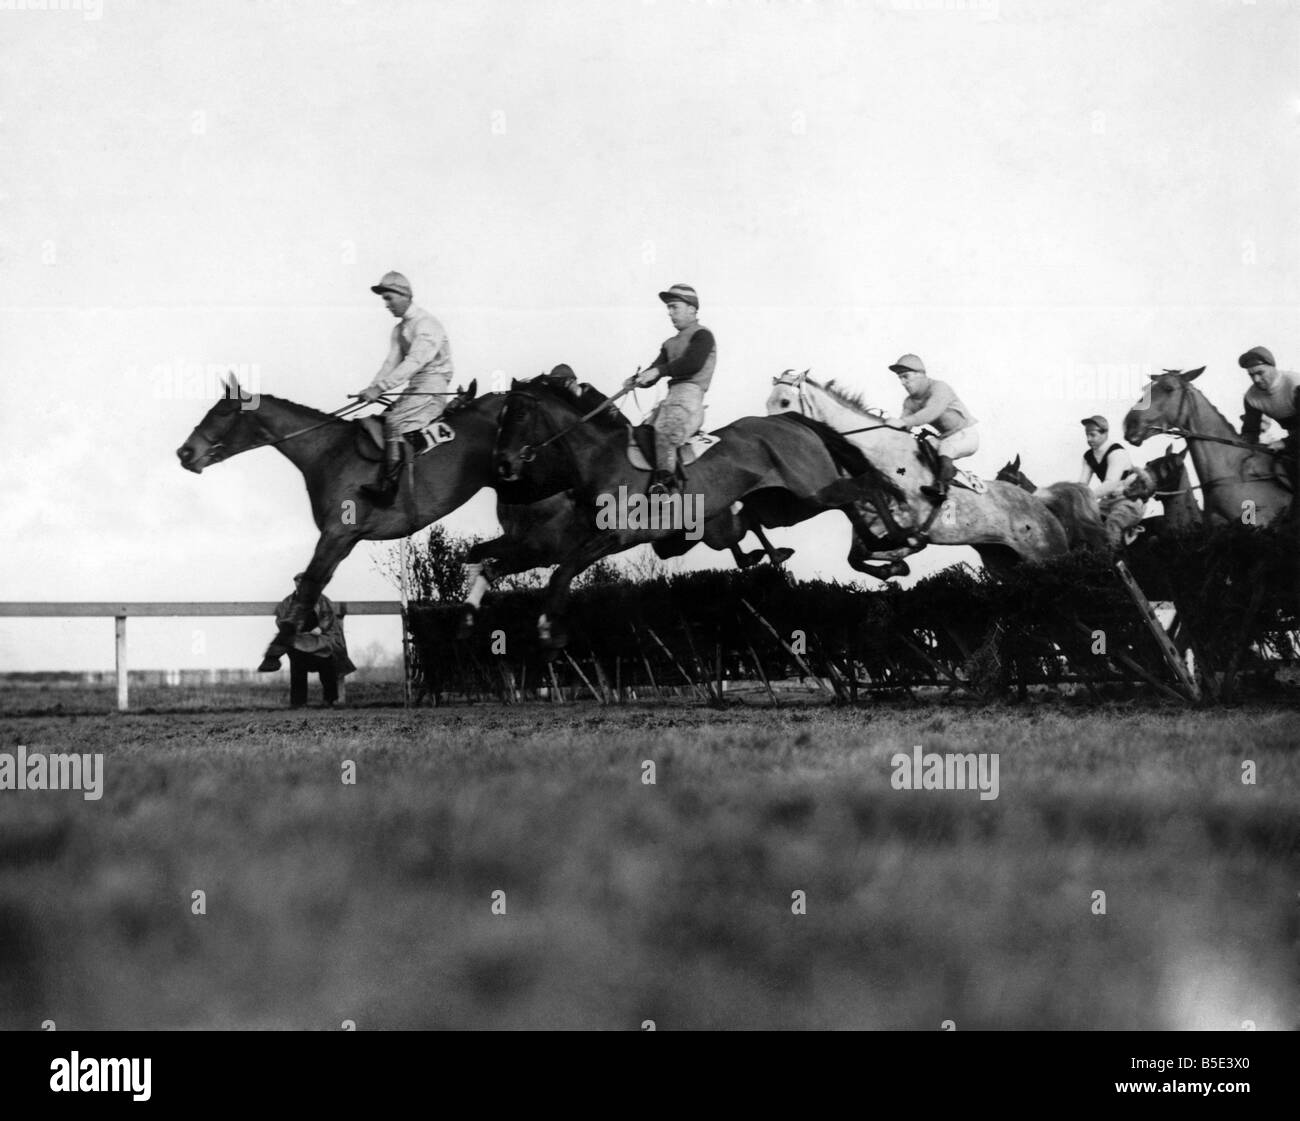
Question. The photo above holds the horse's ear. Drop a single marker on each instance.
(805, 373)
(470, 391)
(231, 386)
(1016, 464)
(1192, 375)
(1180, 456)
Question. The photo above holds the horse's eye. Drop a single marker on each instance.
(785, 402)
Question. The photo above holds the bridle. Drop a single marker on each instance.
(1167, 429)
(214, 455)
(797, 381)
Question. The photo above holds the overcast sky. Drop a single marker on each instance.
(1046, 201)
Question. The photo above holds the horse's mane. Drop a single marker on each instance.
(849, 398)
(1215, 410)
(610, 418)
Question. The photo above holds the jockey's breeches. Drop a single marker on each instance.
(959, 444)
(680, 414)
(410, 414)
(677, 418)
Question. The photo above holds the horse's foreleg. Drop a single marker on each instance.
(331, 550)
(550, 626)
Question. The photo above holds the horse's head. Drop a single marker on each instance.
(531, 414)
(225, 429)
(1169, 471)
(1163, 407)
(1010, 471)
(788, 394)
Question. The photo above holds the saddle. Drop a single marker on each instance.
(641, 448)
(370, 431)
(929, 450)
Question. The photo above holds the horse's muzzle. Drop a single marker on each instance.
(188, 459)
(506, 471)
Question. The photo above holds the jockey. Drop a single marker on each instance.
(934, 403)
(1118, 511)
(687, 360)
(419, 356)
(1276, 394)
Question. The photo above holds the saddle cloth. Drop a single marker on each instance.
(971, 482)
(370, 437)
(641, 447)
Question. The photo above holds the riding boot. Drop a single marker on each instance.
(664, 480)
(938, 490)
(383, 492)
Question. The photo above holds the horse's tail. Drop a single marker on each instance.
(1076, 508)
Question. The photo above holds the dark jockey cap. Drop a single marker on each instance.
(563, 373)
(1098, 422)
(683, 292)
(1256, 356)
(392, 282)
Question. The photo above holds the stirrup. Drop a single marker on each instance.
(661, 483)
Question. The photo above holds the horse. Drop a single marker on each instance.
(1238, 480)
(335, 458)
(1166, 479)
(1003, 524)
(762, 471)
(1074, 505)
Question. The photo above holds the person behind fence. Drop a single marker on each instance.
(1118, 511)
(934, 403)
(419, 358)
(1273, 394)
(687, 361)
(320, 647)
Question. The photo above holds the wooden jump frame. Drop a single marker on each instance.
(120, 612)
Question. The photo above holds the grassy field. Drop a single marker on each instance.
(671, 902)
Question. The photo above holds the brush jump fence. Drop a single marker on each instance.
(1082, 620)
(120, 612)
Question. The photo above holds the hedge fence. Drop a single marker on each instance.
(1071, 621)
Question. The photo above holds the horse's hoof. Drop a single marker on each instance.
(269, 665)
(913, 541)
(552, 633)
(469, 616)
(748, 560)
(780, 556)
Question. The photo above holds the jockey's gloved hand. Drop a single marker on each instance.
(371, 393)
(646, 377)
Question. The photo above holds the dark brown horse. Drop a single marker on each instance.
(764, 471)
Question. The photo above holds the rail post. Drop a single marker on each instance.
(123, 673)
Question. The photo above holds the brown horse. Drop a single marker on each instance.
(765, 471)
(336, 457)
(1239, 481)
(1166, 479)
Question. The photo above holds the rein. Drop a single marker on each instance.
(528, 452)
(341, 413)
